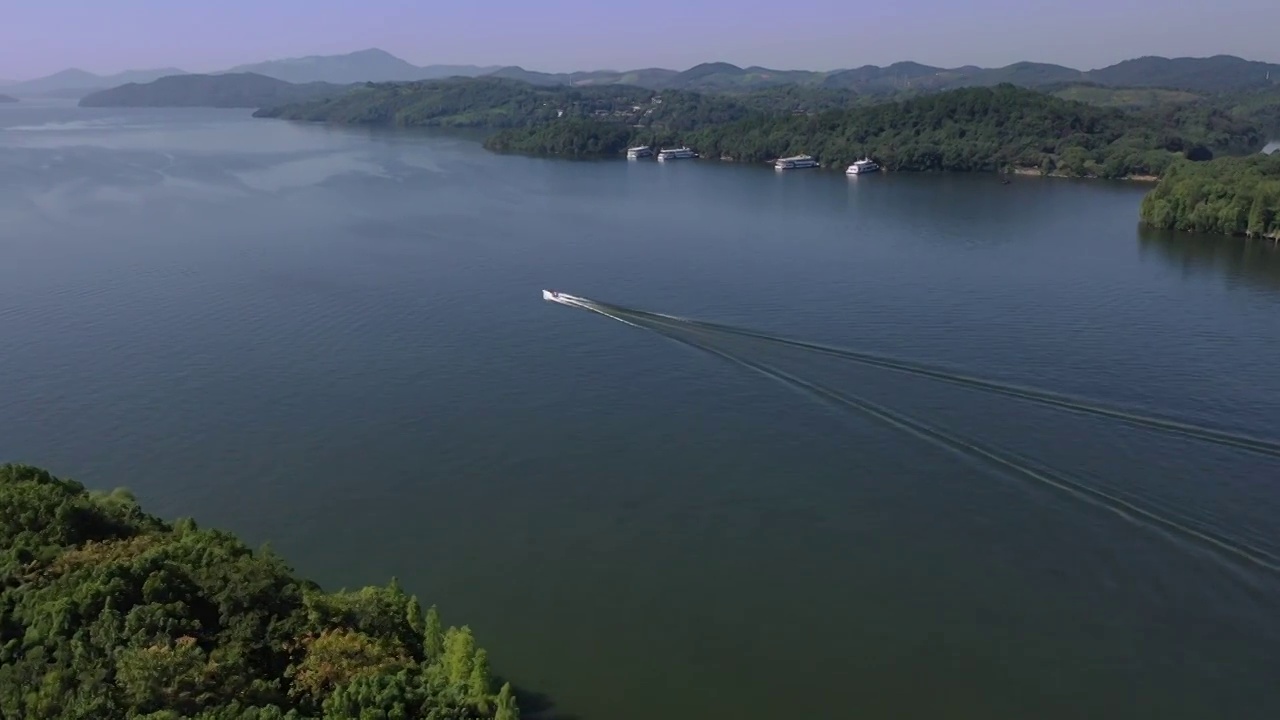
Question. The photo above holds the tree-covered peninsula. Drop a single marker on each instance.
(1230, 196)
(989, 129)
(979, 128)
(7, 99)
(107, 613)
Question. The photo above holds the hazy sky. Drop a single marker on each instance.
(38, 37)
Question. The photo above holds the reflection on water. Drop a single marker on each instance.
(1256, 262)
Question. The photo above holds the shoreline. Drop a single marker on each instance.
(728, 160)
(1035, 172)
(1152, 181)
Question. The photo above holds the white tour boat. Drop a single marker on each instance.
(864, 165)
(795, 162)
(679, 153)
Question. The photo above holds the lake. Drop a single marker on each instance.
(333, 340)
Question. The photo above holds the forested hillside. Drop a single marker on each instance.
(109, 613)
(969, 129)
(504, 103)
(500, 103)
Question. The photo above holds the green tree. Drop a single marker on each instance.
(505, 705)
(414, 614)
(433, 635)
(480, 683)
(459, 652)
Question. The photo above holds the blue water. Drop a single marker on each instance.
(333, 340)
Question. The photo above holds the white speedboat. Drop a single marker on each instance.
(559, 297)
(864, 165)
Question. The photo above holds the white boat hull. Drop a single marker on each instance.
(559, 297)
(862, 167)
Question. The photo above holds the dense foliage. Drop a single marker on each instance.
(969, 129)
(107, 612)
(501, 103)
(1259, 108)
(488, 102)
(496, 103)
(1233, 196)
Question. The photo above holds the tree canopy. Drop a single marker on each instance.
(1232, 196)
(107, 612)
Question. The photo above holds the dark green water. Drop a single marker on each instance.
(333, 340)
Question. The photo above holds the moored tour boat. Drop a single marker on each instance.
(864, 165)
(795, 162)
(676, 154)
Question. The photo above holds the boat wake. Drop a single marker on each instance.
(1042, 397)
(676, 328)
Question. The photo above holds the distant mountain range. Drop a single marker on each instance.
(1220, 73)
(8, 99)
(76, 83)
(363, 66)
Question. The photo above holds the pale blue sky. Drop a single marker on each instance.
(38, 37)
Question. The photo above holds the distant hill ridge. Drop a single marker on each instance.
(229, 90)
(75, 82)
(372, 65)
(1219, 73)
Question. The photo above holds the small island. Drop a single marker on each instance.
(107, 612)
(7, 99)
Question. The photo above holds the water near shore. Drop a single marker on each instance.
(333, 340)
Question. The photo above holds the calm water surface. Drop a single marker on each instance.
(332, 340)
